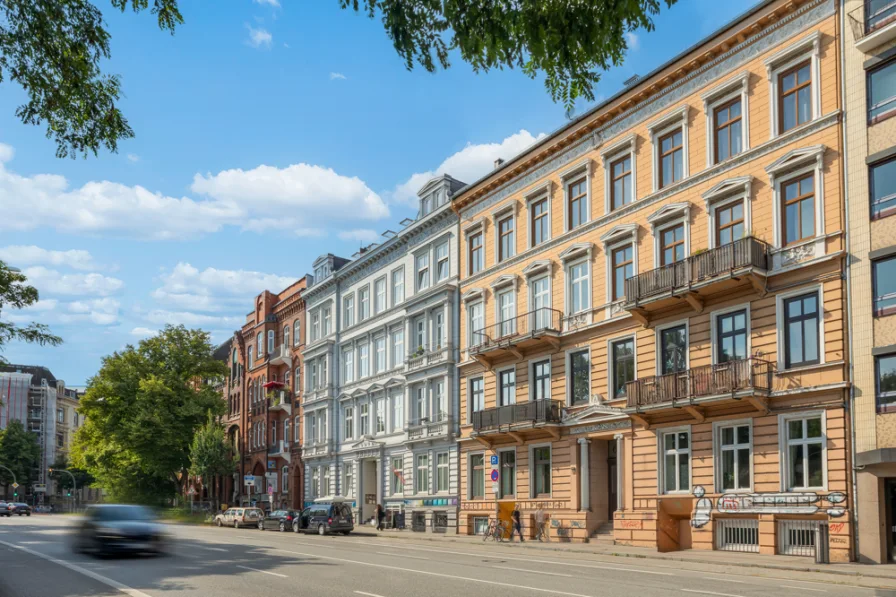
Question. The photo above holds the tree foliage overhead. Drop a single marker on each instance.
(16, 294)
(568, 41)
(19, 452)
(142, 410)
(53, 49)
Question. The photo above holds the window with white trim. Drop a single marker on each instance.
(675, 460)
(507, 462)
(794, 75)
(315, 325)
(379, 295)
(398, 421)
(364, 360)
(802, 343)
(476, 317)
(363, 419)
(422, 268)
(397, 286)
(348, 423)
(540, 300)
(397, 347)
(539, 221)
(442, 475)
(381, 415)
(296, 428)
(348, 365)
(476, 253)
(271, 335)
(476, 482)
(622, 365)
(363, 303)
(506, 312)
(734, 451)
(579, 287)
(296, 332)
(541, 380)
(259, 341)
(397, 474)
(348, 479)
(443, 269)
(506, 237)
(805, 452)
(327, 323)
(379, 348)
(421, 478)
(576, 203)
(285, 336)
(579, 380)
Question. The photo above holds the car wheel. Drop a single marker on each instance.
(346, 533)
(219, 523)
(236, 524)
(295, 527)
(28, 514)
(321, 530)
(260, 525)
(282, 527)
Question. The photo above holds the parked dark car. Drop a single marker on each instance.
(324, 517)
(18, 508)
(118, 528)
(280, 520)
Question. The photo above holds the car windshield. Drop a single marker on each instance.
(124, 513)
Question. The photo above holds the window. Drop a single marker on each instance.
(442, 472)
(621, 182)
(541, 473)
(884, 281)
(671, 158)
(398, 411)
(379, 295)
(794, 96)
(348, 420)
(297, 380)
(673, 349)
(540, 222)
(327, 321)
(507, 459)
(443, 269)
(422, 272)
(315, 482)
(439, 409)
(729, 222)
(541, 304)
(477, 323)
(420, 333)
(397, 286)
(735, 454)
(676, 461)
(60, 415)
(270, 341)
(379, 347)
(323, 371)
(323, 425)
(477, 394)
(883, 188)
(364, 420)
(580, 376)
(541, 380)
(622, 353)
(731, 336)
(397, 475)
(348, 365)
(312, 427)
(421, 479)
(286, 336)
(507, 313)
(882, 91)
(286, 379)
(419, 402)
(348, 479)
(286, 430)
(363, 303)
(801, 319)
(249, 356)
(672, 244)
(315, 325)
(579, 287)
(381, 415)
(259, 341)
(799, 209)
(577, 203)
(506, 387)
(364, 360)
(296, 428)
(477, 255)
(325, 481)
(348, 311)
(438, 331)
(296, 336)
(623, 268)
(397, 347)
(477, 476)
(727, 130)
(505, 238)
(805, 452)
(885, 373)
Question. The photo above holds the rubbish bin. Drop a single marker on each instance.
(822, 547)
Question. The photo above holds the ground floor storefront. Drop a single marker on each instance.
(876, 500)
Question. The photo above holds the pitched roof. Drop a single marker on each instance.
(37, 372)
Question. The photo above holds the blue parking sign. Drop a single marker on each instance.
(494, 460)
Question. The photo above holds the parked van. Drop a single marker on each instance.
(327, 515)
(239, 517)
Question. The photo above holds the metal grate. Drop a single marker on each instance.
(796, 537)
(418, 522)
(439, 522)
(737, 534)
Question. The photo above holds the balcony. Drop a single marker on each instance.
(281, 450)
(315, 450)
(280, 400)
(749, 379)
(873, 24)
(529, 331)
(514, 419)
(716, 270)
(282, 355)
(436, 356)
(428, 428)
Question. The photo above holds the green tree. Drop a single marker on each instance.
(53, 49)
(16, 294)
(142, 410)
(568, 42)
(63, 481)
(211, 456)
(19, 452)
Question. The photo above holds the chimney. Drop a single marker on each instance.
(498, 163)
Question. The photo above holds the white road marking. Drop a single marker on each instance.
(803, 588)
(725, 578)
(710, 593)
(88, 573)
(532, 571)
(211, 548)
(402, 555)
(368, 594)
(263, 571)
(437, 574)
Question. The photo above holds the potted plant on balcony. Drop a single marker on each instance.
(273, 397)
(419, 352)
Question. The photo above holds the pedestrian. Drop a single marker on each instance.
(380, 517)
(516, 526)
(541, 522)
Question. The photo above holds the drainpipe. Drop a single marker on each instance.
(845, 178)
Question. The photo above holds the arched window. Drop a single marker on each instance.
(296, 336)
(285, 336)
(270, 341)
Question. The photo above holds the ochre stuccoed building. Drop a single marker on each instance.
(652, 322)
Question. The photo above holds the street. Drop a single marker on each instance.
(37, 561)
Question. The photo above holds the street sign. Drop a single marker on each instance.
(192, 491)
(494, 460)
(40, 488)
(15, 485)
(270, 490)
(249, 480)
(494, 488)
(495, 475)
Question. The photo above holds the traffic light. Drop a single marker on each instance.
(15, 494)
(69, 494)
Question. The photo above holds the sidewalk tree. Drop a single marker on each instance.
(142, 410)
(53, 50)
(211, 456)
(20, 453)
(566, 42)
(15, 293)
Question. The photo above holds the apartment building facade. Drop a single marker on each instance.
(869, 92)
(380, 406)
(653, 307)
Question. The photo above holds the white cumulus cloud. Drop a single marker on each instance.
(273, 3)
(22, 255)
(190, 319)
(133, 157)
(633, 42)
(142, 332)
(103, 311)
(54, 282)
(259, 38)
(338, 77)
(212, 289)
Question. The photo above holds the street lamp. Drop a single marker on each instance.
(14, 482)
(74, 483)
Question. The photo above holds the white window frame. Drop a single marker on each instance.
(714, 325)
(717, 450)
(348, 365)
(380, 357)
(502, 323)
(348, 422)
(471, 471)
(398, 418)
(661, 460)
(567, 178)
(348, 479)
(363, 419)
(670, 216)
(380, 415)
(363, 291)
(297, 428)
(381, 281)
(470, 323)
(296, 332)
(784, 443)
(393, 487)
(676, 119)
(534, 361)
(439, 260)
(396, 276)
(658, 335)
(498, 373)
(397, 356)
(426, 468)
(516, 471)
(542, 191)
(813, 160)
(615, 238)
(362, 361)
(567, 356)
(807, 48)
(418, 287)
(609, 156)
(735, 88)
(532, 448)
(438, 467)
(573, 256)
(531, 281)
(348, 310)
(326, 321)
(818, 290)
(610, 367)
(723, 195)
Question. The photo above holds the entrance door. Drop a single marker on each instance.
(611, 484)
(890, 485)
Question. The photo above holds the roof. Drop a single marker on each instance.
(37, 372)
(222, 353)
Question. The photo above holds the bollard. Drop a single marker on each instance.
(822, 547)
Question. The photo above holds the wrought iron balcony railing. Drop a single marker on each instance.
(533, 323)
(872, 16)
(534, 411)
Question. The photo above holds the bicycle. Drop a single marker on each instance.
(496, 530)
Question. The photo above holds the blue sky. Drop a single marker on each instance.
(267, 132)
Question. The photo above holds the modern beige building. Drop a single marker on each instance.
(869, 101)
(653, 306)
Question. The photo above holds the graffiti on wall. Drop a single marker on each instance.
(806, 503)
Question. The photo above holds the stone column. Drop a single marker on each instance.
(620, 476)
(584, 474)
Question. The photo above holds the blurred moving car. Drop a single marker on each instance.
(120, 528)
(18, 508)
(279, 519)
(327, 515)
(239, 517)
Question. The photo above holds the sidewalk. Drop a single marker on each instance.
(883, 576)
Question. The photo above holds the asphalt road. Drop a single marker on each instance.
(36, 560)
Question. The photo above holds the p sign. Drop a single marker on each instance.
(494, 460)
